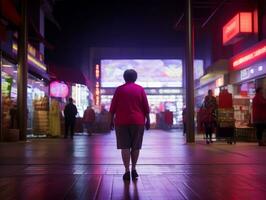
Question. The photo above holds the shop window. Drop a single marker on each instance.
(9, 95)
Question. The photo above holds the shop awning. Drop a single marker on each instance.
(219, 67)
(70, 75)
(215, 71)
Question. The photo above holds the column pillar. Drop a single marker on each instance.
(189, 75)
(23, 70)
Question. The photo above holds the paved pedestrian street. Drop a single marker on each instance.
(91, 168)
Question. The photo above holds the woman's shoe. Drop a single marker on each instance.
(126, 176)
(134, 174)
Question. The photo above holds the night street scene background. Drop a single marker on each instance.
(201, 65)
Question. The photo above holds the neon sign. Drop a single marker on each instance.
(250, 56)
(31, 57)
(97, 85)
(97, 72)
(240, 24)
(58, 89)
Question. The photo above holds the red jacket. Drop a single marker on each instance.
(130, 105)
(259, 109)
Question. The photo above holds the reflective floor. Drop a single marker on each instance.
(91, 168)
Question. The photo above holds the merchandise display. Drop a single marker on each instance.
(6, 119)
(225, 117)
(40, 116)
(242, 113)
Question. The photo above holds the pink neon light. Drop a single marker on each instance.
(250, 56)
(58, 89)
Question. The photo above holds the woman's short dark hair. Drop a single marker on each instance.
(130, 75)
(70, 100)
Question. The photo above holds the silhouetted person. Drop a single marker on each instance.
(70, 113)
(210, 105)
(259, 114)
(13, 112)
(129, 108)
(89, 119)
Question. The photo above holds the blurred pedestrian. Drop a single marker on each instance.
(168, 119)
(103, 110)
(89, 119)
(129, 109)
(70, 113)
(13, 112)
(184, 116)
(210, 110)
(259, 114)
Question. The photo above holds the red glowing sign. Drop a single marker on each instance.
(234, 29)
(246, 22)
(249, 56)
(58, 89)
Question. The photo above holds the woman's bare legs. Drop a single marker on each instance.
(126, 158)
(134, 158)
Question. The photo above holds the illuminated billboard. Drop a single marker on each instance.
(151, 73)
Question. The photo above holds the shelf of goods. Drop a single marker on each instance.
(242, 112)
(41, 116)
(9, 124)
(226, 117)
(226, 125)
(7, 104)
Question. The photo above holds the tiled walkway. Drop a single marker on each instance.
(90, 168)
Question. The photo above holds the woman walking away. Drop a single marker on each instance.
(129, 108)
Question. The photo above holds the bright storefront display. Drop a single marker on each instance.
(247, 72)
(9, 95)
(159, 100)
(36, 93)
(80, 94)
(41, 116)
